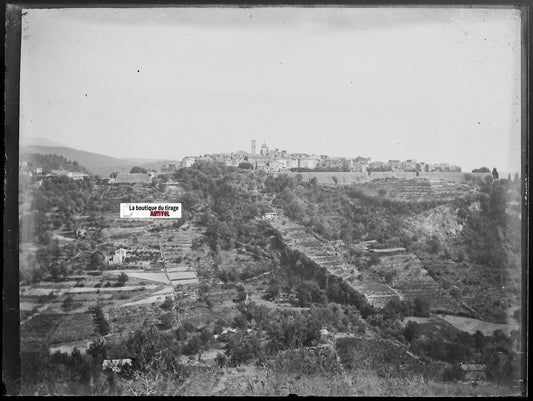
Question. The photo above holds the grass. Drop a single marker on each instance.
(351, 383)
(72, 328)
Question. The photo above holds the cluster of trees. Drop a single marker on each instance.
(481, 233)
(497, 352)
(341, 213)
(282, 330)
(100, 321)
(63, 373)
(55, 203)
(344, 168)
(138, 170)
(51, 162)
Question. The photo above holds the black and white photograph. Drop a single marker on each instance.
(233, 200)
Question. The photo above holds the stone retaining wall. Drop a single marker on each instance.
(346, 178)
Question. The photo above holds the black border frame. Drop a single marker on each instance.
(12, 34)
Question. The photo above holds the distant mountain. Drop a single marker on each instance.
(146, 161)
(96, 163)
(29, 141)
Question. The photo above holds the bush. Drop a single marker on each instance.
(433, 244)
(100, 321)
(421, 307)
(166, 320)
(122, 279)
(221, 360)
(193, 346)
(411, 331)
(453, 373)
(374, 259)
(68, 303)
(167, 304)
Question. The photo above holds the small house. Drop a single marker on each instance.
(325, 335)
(474, 372)
(115, 364)
(119, 256)
(81, 233)
(270, 216)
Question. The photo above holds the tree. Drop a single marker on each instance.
(241, 348)
(122, 278)
(304, 295)
(221, 360)
(193, 345)
(421, 307)
(389, 276)
(137, 170)
(144, 347)
(68, 303)
(55, 272)
(453, 373)
(374, 259)
(495, 174)
(100, 321)
(97, 350)
(498, 202)
(433, 243)
(411, 331)
(246, 166)
(167, 304)
(97, 261)
(166, 320)
(65, 269)
(272, 291)
(481, 170)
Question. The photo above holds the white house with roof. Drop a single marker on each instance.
(118, 257)
(115, 364)
(188, 161)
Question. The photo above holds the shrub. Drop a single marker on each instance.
(68, 303)
(421, 307)
(453, 373)
(433, 244)
(193, 346)
(167, 304)
(411, 331)
(100, 321)
(166, 320)
(221, 359)
(122, 279)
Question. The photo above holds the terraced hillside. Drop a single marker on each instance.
(395, 277)
(324, 254)
(412, 190)
(407, 275)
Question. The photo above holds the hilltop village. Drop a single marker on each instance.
(274, 160)
(310, 281)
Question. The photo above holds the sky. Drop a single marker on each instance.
(436, 84)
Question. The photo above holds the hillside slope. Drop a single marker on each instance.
(96, 163)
